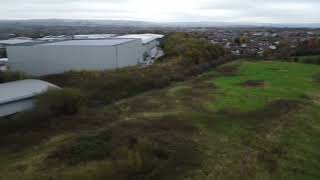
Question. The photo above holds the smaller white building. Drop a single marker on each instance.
(18, 96)
(3, 64)
(54, 38)
(149, 41)
(151, 46)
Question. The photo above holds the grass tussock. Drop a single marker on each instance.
(58, 102)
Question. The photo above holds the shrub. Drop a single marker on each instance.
(60, 102)
(3, 53)
(11, 76)
(311, 60)
(191, 50)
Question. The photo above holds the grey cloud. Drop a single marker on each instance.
(269, 11)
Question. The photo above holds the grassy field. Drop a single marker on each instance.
(243, 120)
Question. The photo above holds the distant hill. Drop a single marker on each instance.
(97, 23)
(73, 23)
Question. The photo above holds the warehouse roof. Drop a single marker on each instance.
(19, 90)
(15, 41)
(96, 42)
(146, 38)
(93, 36)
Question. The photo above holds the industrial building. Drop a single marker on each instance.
(75, 55)
(19, 96)
(150, 44)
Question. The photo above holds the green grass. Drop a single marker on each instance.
(282, 81)
(211, 127)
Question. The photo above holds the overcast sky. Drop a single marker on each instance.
(262, 11)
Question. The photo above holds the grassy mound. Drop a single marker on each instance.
(210, 127)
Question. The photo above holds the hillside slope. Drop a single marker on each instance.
(244, 120)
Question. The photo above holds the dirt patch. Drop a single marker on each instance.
(253, 83)
(230, 70)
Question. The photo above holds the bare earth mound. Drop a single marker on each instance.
(253, 83)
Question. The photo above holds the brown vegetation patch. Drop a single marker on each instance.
(253, 83)
(145, 149)
(265, 124)
(230, 70)
(197, 96)
(272, 110)
(317, 78)
(147, 103)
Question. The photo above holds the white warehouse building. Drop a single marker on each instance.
(19, 96)
(75, 55)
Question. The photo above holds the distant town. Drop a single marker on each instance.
(259, 42)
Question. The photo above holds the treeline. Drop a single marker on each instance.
(305, 48)
(306, 52)
(309, 47)
(185, 57)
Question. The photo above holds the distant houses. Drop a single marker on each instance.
(19, 96)
(84, 52)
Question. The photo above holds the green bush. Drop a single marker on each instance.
(3, 53)
(311, 60)
(60, 102)
(11, 76)
(192, 51)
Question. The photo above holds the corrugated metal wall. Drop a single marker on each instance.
(44, 60)
(15, 107)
